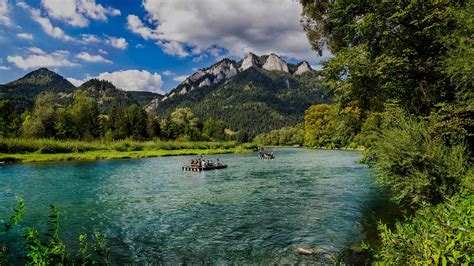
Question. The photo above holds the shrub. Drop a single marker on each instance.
(416, 167)
(436, 235)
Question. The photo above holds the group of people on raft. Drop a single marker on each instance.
(200, 162)
(265, 155)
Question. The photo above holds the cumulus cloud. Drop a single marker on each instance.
(75, 82)
(119, 43)
(4, 68)
(77, 12)
(36, 58)
(90, 38)
(25, 36)
(45, 23)
(183, 27)
(4, 13)
(92, 58)
(129, 80)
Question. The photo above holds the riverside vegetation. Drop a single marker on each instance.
(402, 89)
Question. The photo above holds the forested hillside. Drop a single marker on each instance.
(254, 100)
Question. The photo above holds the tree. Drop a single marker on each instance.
(317, 124)
(10, 120)
(85, 113)
(136, 122)
(214, 129)
(153, 126)
(386, 50)
(41, 123)
(184, 124)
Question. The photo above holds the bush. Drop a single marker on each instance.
(435, 235)
(416, 167)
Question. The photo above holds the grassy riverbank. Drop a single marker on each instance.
(43, 150)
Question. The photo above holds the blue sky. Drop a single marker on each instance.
(143, 45)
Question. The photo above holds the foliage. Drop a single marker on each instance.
(10, 121)
(40, 252)
(317, 123)
(184, 124)
(390, 50)
(49, 249)
(281, 137)
(436, 235)
(214, 129)
(453, 124)
(418, 168)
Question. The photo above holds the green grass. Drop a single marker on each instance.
(43, 150)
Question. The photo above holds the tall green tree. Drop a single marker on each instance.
(10, 120)
(41, 122)
(386, 49)
(85, 113)
(185, 124)
(214, 129)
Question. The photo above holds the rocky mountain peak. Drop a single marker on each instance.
(223, 70)
(302, 68)
(274, 62)
(249, 61)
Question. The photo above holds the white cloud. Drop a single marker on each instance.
(36, 50)
(129, 80)
(45, 23)
(75, 82)
(25, 36)
(77, 12)
(92, 58)
(4, 68)
(135, 25)
(4, 13)
(180, 78)
(173, 48)
(183, 27)
(90, 38)
(119, 43)
(103, 51)
(38, 58)
(169, 73)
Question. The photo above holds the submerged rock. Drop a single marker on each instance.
(305, 251)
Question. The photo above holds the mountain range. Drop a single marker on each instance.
(255, 94)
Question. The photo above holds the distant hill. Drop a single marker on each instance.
(256, 94)
(23, 92)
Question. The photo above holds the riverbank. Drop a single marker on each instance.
(109, 155)
(46, 150)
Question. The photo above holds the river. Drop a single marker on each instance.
(252, 212)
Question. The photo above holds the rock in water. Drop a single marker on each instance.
(274, 62)
(305, 251)
(302, 68)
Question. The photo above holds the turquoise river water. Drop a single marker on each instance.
(154, 213)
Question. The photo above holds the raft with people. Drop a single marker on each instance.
(198, 165)
(266, 154)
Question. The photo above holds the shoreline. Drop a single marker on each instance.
(6, 158)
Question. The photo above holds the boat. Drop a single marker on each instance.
(197, 166)
(266, 154)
